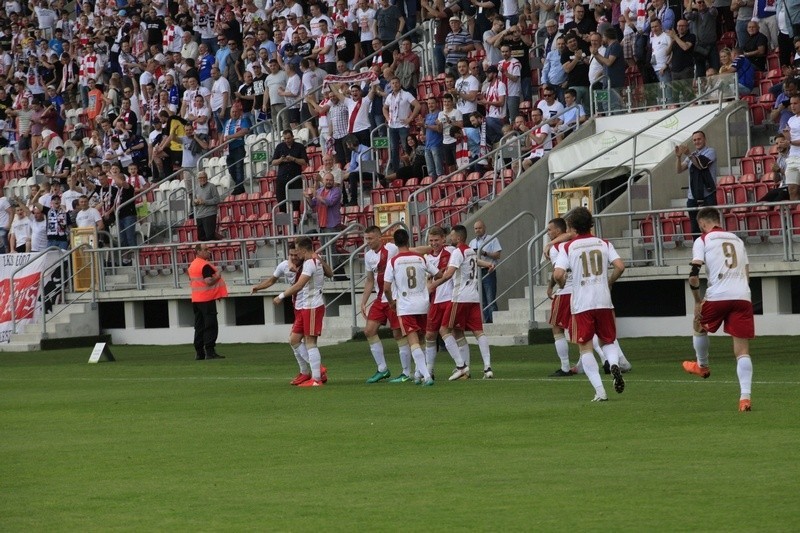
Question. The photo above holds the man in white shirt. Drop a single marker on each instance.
(549, 106)
(466, 91)
(488, 249)
(88, 217)
(399, 109)
(493, 99)
(509, 72)
(220, 97)
(541, 136)
(661, 44)
(792, 173)
(406, 290)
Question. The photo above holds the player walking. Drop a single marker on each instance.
(406, 289)
(588, 258)
(727, 299)
(309, 309)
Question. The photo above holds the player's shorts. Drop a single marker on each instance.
(560, 314)
(412, 323)
(308, 322)
(586, 325)
(736, 314)
(792, 173)
(381, 313)
(436, 316)
(466, 316)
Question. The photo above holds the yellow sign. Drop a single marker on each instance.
(566, 199)
(82, 259)
(388, 214)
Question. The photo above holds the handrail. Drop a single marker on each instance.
(326, 246)
(286, 202)
(531, 243)
(60, 264)
(363, 61)
(500, 230)
(12, 297)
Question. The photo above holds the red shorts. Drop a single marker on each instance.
(560, 314)
(381, 313)
(464, 316)
(598, 322)
(737, 315)
(412, 323)
(309, 321)
(436, 316)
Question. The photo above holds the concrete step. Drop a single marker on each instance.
(515, 329)
(15, 346)
(503, 340)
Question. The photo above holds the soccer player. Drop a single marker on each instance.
(463, 311)
(588, 258)
(438, 257)
(727, 299)
(309, 308)
(406, 289)
(288, 272)
(560, 315)
(376, 258)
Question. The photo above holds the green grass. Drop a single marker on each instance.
(157, 441)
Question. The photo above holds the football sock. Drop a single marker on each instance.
(303, 350)
(486, 354)
(464, 347)
(700, 343)
(419, 359)
(301, 361)
(611, 353)
(376, 347)
(593, 372)
(430, 354)
(452, 349)
(562, 350)
(623, 361)
(315, 360)
(405, 356)
(598, 349)
(744, 369)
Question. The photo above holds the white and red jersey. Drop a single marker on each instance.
(376, 262)
(444, 292)
(408, 274)
(493, 92)
(513, 67)
(284, 273)
(310, 296)
(465, 280)
(327, 39)
(554, 251)
(588, 257)
(539, 149)
(88, 68)
(726, 263)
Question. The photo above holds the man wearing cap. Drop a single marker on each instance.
(457, 44)
(493, 99)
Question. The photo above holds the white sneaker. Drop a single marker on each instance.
(488, 374)
(624, 365)
(598, 398)
(417, 377)
(460, 373)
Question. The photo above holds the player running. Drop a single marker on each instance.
(406, 289)
(727, 299)
(309, 308)
(592, 311)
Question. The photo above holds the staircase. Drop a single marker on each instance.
(65, 321)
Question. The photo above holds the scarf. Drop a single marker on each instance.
(350, 79)
(484, 148)
(641, 14)
(169, 37)
(462, 153)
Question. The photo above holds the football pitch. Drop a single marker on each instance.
(158, 441)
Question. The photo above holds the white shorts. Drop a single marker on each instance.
(792, 172)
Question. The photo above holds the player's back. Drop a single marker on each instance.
(726, 262)
(465, 279)
(310, 296)
(408, 274)
(588, 257)
(553, 255)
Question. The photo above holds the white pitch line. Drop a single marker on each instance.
(350, 381)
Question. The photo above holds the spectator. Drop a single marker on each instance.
(400, 109)
(365, 21)
(457, 44)
(541, 136)
(434, 149)
(493, 98)
(702, 165)
(755, 46)
(235, 130)
(389, 22)
(550, 107)
(744, 13)
(291, 94)
(441, 12)
(582, 26)
(576, 65)
(327, 203)
(520, 44)
(573, 116)
(220, 98)
(449, 117)
(412, 162)
(703, 24)
(661, 46)
(358, 153)
(488, 249)
(290, 158)
(792, 171)
(614, 66)
(206, 202)
(406, 67)
(88, 217)
(509, 69)
(57, 225)
(20, 235)
(348, 47)
(745, 71)
(6, 217)
(682, 50)
(780, 192)
(125, 207)
(491, 42)
(551, 34)
(781, 112)
(330, 166)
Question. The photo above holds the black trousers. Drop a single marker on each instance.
(206, 327)
(206, 228)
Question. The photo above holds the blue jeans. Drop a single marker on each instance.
(489, 286)
(235, 161)
(438, 57)
(709, 200)
(64, 245)
(494, 130)
(127, 231)
(397, 139)
(220, 117)
(434, 160)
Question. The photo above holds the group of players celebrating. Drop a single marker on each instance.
(433, 291)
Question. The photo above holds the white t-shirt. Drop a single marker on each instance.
(596, 68)
(454, 116)
(4, 205)
(365, 19)
(538, 150)
(284, 274)
(88, 218)
(589, 286)
(38, 234)
(21, 229)
(444, 292)
(362, 119)
(513, 67)
(69, 196)
(468, 84)
(661, 50)
(554, 251)
(310, 296)
(408, 274)
(794, 130)
(493, 92)
(726, 263)
(314, 23)
(293, 86)
(376, 262)
(465, 279)
(550, 111)
(399, 105)
(218, 89)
